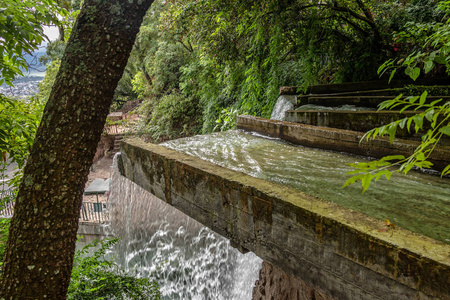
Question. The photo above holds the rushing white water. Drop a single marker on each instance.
(281, 106)
(188, 260)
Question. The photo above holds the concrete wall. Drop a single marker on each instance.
(339, 139)
(337, 250)
(274, 283)
(351, 120)
(90, 232)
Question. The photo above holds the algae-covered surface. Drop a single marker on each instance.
(418, 202)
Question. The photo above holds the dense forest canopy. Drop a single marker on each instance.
(203, 60)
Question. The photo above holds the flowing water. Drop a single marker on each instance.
(418, 202)
(281, 106)
(191, 262)
(188, 260)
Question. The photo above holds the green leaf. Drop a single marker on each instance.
(435, 102)
(445, 130)
(446, 171)
(429, 114)
(392, 75)
(386, 173)
(352, 180)
(403, 123)
(392, 130)
(412, 99)
(406, 167)
(405, 108)
(418, 120)
(440, 60)
(392, 157)
(423, 98)
(365, 182)
(415, 74)
(420, 156)
(428, 66)
(408, 124)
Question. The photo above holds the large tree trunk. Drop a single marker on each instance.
(41, 244)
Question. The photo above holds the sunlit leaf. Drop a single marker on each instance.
(445, 130)
(423, 98)
(365, 182)
(393, 157)
(446, 171)
(353, 179)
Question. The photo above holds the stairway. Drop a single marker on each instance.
(117, 140)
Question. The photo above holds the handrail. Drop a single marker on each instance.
(94, 212)
(7, 203)
(97, 212)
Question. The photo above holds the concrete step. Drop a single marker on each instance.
(365, 101)
(384, 92)
(117, 140)
(362, 86)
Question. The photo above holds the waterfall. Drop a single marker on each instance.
(283, 104)
(188, 260)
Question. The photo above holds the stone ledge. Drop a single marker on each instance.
(360, 86)
(335, 249)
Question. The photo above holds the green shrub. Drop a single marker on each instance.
(98, 277)
(174, 116)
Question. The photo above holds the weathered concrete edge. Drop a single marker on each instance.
(90, 228)
(360, 86)
(338, 139)
(416, 261)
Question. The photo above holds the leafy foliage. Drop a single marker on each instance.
(235, 56)
(21, 31)
(19, 121)
(226, 120)
(4, 231)
(435, 51)
(174, 116)
(98, 277)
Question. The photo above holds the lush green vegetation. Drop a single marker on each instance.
(217, 56)
(97, 276)
(431, 54)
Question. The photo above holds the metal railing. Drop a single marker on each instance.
(90, 211)
(7, 198)
(94, 212)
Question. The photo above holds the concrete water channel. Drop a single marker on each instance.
(341, 250)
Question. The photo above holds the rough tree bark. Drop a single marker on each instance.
(41, 244)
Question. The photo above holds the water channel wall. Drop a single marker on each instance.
(339, 139)
(335, 250)
(351, 120)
